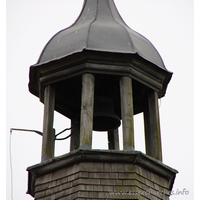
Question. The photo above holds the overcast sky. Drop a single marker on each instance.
(168, 24)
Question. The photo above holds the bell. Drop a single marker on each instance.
(104, 118)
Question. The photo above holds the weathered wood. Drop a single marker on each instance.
(147, 129)
(152, 127)
(87, 104)
(127, 113)
(75, 134)
(113, 139)
(48, 132)
(95, 170)
(150, 78)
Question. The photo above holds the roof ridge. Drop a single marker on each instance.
(132, 46)
(91, 23)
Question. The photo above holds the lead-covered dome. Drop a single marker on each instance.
(99, 27)
(99, 42)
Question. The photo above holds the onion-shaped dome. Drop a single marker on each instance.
(99, 42)
(99, 27)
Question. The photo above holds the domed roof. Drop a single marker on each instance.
(99, 27)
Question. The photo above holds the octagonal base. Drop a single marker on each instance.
(95, 174)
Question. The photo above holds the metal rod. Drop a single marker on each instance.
(27, 130)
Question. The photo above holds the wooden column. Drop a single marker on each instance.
(75, 134)
(152, 127)
(113, 139)
(48, 139)
(127, 113)
(87, 104)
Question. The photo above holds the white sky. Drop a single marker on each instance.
(168, 24)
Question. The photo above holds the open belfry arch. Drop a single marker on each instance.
(100, 73)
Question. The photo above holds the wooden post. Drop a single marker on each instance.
(48, 132)
(147, 130)
(127, 113)
(113, 139)
(152, 127)
(75, 134)
(87, 104)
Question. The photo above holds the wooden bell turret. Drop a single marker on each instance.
(99, 73)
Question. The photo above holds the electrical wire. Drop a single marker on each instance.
(64, 131)
(39, 133)
(10, 153)
(64, 137)
(11, 171)
(27, 130)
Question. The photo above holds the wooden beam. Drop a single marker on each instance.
(154, 82)
(75, 134)
(152, 127)
(113, 139)
(127, 113)
(48, 132)
(87, 104)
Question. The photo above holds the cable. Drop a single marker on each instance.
(64, 137)
(28, 130)
(11, 171)
(39, 133)
(64, 131)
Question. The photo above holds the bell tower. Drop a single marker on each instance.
(111, 73)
